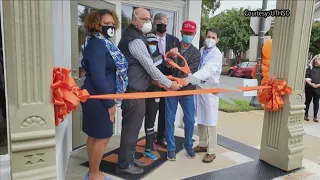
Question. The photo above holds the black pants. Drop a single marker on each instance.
(3, 102)
(311, 95)
(152, 108)
(133, 111)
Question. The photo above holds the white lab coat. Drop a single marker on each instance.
(207, 104)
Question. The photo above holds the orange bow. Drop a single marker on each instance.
(272, 97)
(66, 94)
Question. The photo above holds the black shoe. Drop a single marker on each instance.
(139, 163)
(162, 143)
(130, 170)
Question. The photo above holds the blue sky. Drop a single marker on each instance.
(228, 4)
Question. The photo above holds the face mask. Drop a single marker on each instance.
(187, 39)
(146, 28)
(108, 31)
(161, 28)
(209, 42)
(152, 48)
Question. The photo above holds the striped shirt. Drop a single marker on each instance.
(139, 51)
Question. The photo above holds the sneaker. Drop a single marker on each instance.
(315, 119)
(138, 163)
(150, 154)
(190, 152)
(162, 143)
(130, 170)
(171, 155)
(306, 118)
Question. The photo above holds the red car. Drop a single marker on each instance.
(243, 69)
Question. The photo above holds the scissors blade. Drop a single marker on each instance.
(209, 84)
(225, 98)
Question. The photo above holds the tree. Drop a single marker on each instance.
(234, 30)
(209, 6)
(314, 47)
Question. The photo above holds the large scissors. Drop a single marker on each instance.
(191, 79)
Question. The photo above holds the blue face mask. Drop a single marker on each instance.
(187, 39)
(152, 48)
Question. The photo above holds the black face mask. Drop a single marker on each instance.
(161, 28)
(108, 31)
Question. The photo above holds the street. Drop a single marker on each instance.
(235, 82)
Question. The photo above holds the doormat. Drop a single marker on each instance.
(110, 159)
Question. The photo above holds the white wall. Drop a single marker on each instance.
(193, 10)
(62, 58)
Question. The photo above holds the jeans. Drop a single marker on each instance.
(187, 104)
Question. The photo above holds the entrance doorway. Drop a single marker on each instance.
(79, 10)
(3, 104)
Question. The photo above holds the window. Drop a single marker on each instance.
(251, 64)
(126, 16)
(244, 64)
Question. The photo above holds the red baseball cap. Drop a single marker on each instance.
(189, 26)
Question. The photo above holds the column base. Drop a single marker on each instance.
(280, 160)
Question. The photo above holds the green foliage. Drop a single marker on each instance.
(209, 6)
(241, 106)
(314, 47)
(234, 29)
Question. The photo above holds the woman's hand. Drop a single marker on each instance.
(112, 113)
(317, 86)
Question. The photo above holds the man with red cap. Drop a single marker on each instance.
(192, 55)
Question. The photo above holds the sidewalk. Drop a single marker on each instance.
(246, 128)
(237, 154)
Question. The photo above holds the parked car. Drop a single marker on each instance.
(243, 69)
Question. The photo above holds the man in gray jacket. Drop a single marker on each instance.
(141, 71)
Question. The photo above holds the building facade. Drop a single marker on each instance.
(64, 28)
(38, 35)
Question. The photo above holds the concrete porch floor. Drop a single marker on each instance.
(235, 126)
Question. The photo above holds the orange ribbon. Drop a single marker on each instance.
(272, 97)
(66, 94)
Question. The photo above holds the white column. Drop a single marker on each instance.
(28, 57)
(282, 136)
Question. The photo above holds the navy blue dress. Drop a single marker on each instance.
(100, 79)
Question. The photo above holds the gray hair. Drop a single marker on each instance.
(159, 16)
(313, 59)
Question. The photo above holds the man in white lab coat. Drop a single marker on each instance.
(207, 104)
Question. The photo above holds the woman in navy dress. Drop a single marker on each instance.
(106, 73)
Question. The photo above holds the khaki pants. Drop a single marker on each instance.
(208, 138)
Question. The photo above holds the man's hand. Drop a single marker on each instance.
(175, 86)
(112, 113)
(174, 52)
